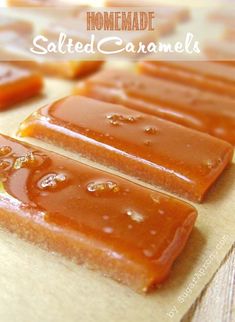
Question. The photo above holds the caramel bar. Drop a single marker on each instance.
(203, 75)
(191, 107)
(17, 85)
(64, 69)
(19, 55)
(129, 233)
(170, 156)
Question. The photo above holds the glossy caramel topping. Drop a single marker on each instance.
(17, 84)
(191, 107)
(203, 75)
(178, 159)
(134, 228)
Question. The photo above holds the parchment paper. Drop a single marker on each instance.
(39, 286)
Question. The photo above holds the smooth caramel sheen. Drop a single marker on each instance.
(128, 232)
(188, 106)
(207, 76)
(178, 159)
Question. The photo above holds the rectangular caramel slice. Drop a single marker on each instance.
(129, 233)
(204, 75)
(170, 156)
(19, 55)
(17, 85)
(63, 69)
(188, 106)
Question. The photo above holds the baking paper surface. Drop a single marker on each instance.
(36, 285)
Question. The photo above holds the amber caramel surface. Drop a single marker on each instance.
(100, 215)
(68, 69)
(191, 107)
(178, 159)
(207, 76)
(17, 85)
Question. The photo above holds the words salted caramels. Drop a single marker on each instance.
(106, 33)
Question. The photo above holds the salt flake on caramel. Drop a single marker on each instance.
(91, 216)
(173, 157)
(192, 107)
